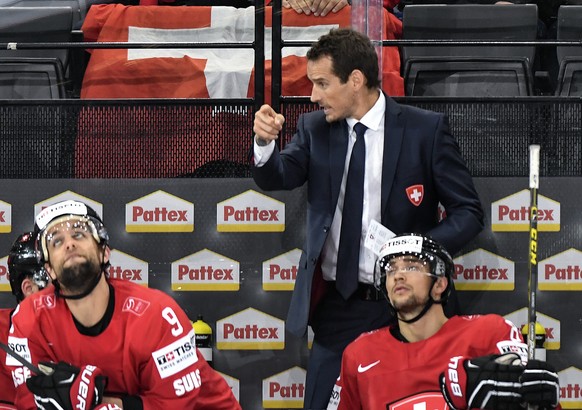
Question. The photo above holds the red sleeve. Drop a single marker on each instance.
(175, 375)
(7, 392)
(22, 336)
(345, 395)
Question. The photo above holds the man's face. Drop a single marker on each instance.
(336, 99)
(74, 256)
(408, 282)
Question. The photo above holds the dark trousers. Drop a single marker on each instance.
(337, 322)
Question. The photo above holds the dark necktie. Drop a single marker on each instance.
(348, 257)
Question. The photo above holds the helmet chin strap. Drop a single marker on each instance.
(425, 309)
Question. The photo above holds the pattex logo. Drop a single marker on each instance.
(280, 272)
(250, 212)
(483, 270)
(285, 389)
(159, 212)
(205, 270)
(561, 272)
(250, 329)
(512, 213)
(126, 267)
(5, 217)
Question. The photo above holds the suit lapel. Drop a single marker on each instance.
(338, 148)
(393, 135)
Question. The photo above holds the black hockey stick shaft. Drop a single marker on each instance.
(21, 359)
(534, 176)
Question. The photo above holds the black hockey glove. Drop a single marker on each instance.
(66, 387)
(540, 385)
(487, 382)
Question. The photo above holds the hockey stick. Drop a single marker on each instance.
(22, 360)
(534, 174)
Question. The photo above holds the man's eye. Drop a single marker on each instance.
(56, 242)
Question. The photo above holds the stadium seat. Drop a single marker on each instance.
(31, 78)
(36, 24)
(472, 70)
(467, 77)
(569, 81)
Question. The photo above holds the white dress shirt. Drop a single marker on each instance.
(374, 136)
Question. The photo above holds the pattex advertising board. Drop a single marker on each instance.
(228, 251)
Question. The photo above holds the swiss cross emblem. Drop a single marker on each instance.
(415, 193)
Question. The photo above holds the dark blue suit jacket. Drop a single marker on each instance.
(418, 150)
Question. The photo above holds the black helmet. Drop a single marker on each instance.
(23, 262)
(63, 212)
(422, 247)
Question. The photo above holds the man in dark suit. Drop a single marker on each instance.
(408, 164)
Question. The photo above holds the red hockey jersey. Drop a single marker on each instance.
(380, 372)
(7, 391)
(147, 349)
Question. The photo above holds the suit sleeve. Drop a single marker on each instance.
(289, 168)
(456, 192)
(173, 372)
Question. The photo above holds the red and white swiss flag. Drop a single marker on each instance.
(415, 193)
(206, 73)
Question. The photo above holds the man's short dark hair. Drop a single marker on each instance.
(349, 50)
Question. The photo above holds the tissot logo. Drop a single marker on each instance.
(205, 270)
(285, 390)
(176, 356)
(159, 212)
(561, 272)
(280, 272)
(551, 325)
(126, 267)
(512, 213)
(483, 270)
(250, 329)
(250, 212)
(69, 195)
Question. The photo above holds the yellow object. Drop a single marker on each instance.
(203, 333)
(540, 334)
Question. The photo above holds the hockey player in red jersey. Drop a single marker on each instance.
(426, 360)
(102, 343)
(26, 276)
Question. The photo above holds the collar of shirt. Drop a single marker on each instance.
(373, 118)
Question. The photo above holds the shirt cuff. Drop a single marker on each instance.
(262, 153)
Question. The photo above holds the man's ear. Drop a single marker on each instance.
(358, 79)
(439, 287)
(27, 287)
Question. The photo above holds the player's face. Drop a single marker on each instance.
(336, 98)
(408, 283)
(74, 255)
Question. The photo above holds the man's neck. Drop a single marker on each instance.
(90, 310)
(366, 101)
(426, 326)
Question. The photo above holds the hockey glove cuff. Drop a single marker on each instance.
(487, 382)
(540, 385)
(66, 387)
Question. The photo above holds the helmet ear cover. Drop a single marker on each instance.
(425, 249)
